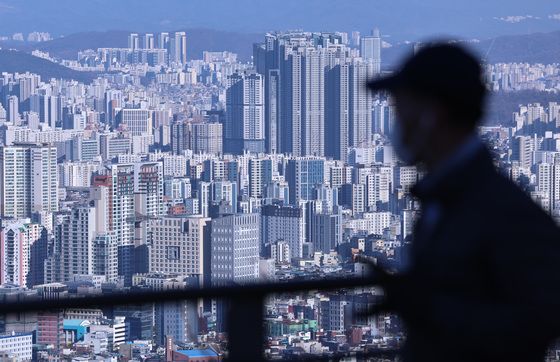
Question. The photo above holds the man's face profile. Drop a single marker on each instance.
(417, 120)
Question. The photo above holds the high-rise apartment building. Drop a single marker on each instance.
(548, 183)
(148, 188)
(522, 151)
(348, 108)
(133, 41)
(163, 40)
(23, 252)
(119, 181)
(315, 102)
(28, 180)
(13, 109)
(85, 246)
(178, 48)
(244, 128)
(377, 45)
(370, 49)
(302, 116)
(149, 42)
(47, 106)
(260, 175)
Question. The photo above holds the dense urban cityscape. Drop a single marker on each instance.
(167, 171)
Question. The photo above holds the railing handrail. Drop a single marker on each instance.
(154, 296)
(247, 300)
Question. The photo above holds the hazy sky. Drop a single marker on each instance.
(400, 19)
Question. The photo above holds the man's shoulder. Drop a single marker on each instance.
(504, 204)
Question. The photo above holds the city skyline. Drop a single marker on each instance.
(170, 169)
(416, 20)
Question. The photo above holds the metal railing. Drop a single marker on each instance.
(245, 323)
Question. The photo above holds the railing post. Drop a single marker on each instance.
(245, 327)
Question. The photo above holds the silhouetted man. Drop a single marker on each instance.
(484, 276)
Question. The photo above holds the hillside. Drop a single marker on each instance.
(198, 40)
(528, 48)
(69, 46)
(531, 48)
(12, 61)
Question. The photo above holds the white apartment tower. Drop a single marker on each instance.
(178, 53)
(28, 180)
(133, 41)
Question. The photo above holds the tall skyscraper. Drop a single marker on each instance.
(119, 181)
(3, 114)
(149, 42)
(383, 117)
(302, 118)
(360, 104)
(23, 251)
(315, 102)
(355, 39)
(548, 183)
(133, 41)
(163, 40)
(148, 188)
(224, 196)
(28, 180)
(337, 119)
(113, 102)
(47, 106)
(85, 246)
(244, 128)
(260, 175)
(366, 47)
(522, 151)
(178, 54)
(313, 122)
(266, 60)
(370, 49)
(377, 45)
(177, 320)
(13, 109)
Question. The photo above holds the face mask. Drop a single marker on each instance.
(401, 149)
(409, 153)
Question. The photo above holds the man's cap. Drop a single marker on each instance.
(445, 71)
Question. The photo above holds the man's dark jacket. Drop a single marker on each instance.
(484, 282)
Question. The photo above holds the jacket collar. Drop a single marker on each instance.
(459, 172)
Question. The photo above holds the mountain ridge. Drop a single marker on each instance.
(198, 40)
(14, 61)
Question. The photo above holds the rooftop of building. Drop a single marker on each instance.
(192, 353)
